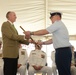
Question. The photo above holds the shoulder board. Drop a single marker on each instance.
(33, 50)
(43, 51)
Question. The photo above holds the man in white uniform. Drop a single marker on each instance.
(73, 68)
(1, 60)
(37, 61)
(22, 61)
(1, 64)
(54, 68)
(60, 40)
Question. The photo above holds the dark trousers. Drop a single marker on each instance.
(63, 60)
(10, 66)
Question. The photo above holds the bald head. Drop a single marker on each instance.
(11, 16)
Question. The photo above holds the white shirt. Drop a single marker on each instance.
(36, 58)
(53, 58)
(73, 59)
(60, 34)
(23, 56)
(1, 60)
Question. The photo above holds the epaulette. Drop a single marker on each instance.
(43, 51)
(33, 50)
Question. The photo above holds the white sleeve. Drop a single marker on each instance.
(25, 58)
(30, 59)
(44, 60)
(55, 26)
(53, 56)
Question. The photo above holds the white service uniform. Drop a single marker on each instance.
(54, 68)
(23, 56)
(60, 34)
(36, 59)
(1, 66)
(1, 63)
(73, 68)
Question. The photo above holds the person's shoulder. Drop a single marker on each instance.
(52, 52)
(5, 23)
(23, 49)
(33, 51)
(58, 23)
(43, 52)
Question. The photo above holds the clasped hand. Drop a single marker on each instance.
(37, 67)
(27, 34)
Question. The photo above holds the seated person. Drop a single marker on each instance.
(37, 61)
(73, 68)
(1, 60)
(22, 61)
(1, 64)
(54, 68)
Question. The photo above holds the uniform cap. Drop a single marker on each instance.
(55, 13)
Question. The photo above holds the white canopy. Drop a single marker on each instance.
(34, 14)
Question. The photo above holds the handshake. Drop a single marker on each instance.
(28, 36)
(27, 33)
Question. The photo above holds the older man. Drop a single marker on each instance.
(11, 42)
